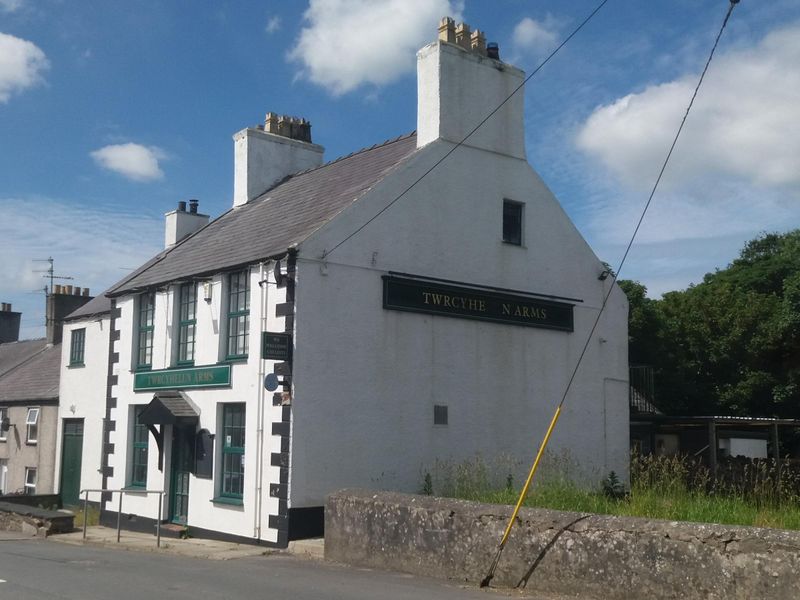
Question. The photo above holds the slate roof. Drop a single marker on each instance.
(267, 226)
(168, 407)
(97, 306)
(35, 378)
(15, 353)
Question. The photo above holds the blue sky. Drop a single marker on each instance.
(111, 112)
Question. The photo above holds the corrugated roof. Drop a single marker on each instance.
(34, 379)
(15, 353)
(280, 218)
(97, 306)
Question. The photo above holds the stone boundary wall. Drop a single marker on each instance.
(574, 554)
(34, 521)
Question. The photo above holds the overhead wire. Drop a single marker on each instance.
(327, 253)
(614, 278)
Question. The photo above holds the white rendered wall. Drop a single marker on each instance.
(82, 395)
(251, 518)
(366, 379)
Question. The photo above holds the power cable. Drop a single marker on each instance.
(327, 253)
(614, 278)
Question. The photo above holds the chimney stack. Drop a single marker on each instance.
(266, 154)
(9, 323)
(460, 80)
(60, 303)
(179, 223)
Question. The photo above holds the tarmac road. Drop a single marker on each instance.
(46, 570)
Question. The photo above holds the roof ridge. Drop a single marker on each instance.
(346, 156)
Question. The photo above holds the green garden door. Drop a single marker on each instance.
(71, 451)
(182, 455)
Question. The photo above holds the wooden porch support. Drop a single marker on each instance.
(712, 448)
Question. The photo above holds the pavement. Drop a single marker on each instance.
(191, 547)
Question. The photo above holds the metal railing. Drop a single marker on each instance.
(121, 493)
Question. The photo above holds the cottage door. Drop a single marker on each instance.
(182, 447)
(71, 451)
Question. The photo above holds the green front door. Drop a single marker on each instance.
(71, 451)
(182, 454)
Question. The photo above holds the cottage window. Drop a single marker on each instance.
(187, 321)
(30, 481)
(139, 443)
(32, 424)
(146, 315)
(512, 222)
(76, 347)
(233, 421)
(238, 314)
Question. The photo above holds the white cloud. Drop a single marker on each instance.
(95, 246)
(273, 25)
(10, 5)
(530, 34)
(134, 161)
(21, 65)
(348, 43)
(745, 122)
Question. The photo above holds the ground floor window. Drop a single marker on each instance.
(232, 480)
(139, 441)
(30, 481)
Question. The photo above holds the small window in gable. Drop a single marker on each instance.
(512, 222)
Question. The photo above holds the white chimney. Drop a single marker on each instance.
(265, 155)
(458, 85)
(180, 223)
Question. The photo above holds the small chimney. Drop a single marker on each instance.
(179, 223)
(9, 324)
(460, 79)
(266, 154)
(60, 304)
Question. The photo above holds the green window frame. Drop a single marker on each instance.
(187, 323)
(77, 345)
(238, 314)
(139, 450)
(144, 330)
(233, 429)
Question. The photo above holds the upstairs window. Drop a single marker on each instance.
(512, 222)
(144, 328)
(3, 424)
(32, 426)
(187, 321)
(77, 344)
(238, 314)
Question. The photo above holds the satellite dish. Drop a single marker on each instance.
(271, 382)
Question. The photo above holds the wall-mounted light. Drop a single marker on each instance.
(207, 287)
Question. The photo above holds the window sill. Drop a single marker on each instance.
(31, 443)
(142, 368)
(520, 245)
(134, 488)
(226, 500)
(230, 360)
(76, 365)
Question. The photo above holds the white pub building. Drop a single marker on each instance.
(294, 346)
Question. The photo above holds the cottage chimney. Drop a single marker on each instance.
(180, 223)
(458, 85)
(265, 154)
(9, 323)
(61, 303)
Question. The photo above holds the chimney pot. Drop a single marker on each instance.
(193, 206)
(271, 123)
(478, 41)
(447, 30)
(85, 291)
(56, 289)
(493, 50)
(463, 35)
(182, 206)
(77, 290)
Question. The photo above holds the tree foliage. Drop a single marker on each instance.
(730, 344)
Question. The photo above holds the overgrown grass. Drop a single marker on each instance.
(93, 516)
(673, 488)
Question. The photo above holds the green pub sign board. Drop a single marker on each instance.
(189, 377)
(276, 346)
(450, 300)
